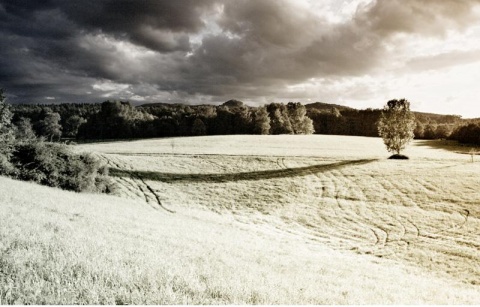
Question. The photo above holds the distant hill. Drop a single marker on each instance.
(233, 103)
(322, 106)
(437, 117)
(157, 104)
(326, 106)
(237, 103)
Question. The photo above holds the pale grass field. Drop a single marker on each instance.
(249, 219)
(64, 248)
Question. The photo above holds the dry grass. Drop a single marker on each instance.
(275, 219)
(338, 190)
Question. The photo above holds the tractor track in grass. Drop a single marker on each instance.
(352, 209)
(356, 224)
(140, 183)
(341, 203)
(392, 233)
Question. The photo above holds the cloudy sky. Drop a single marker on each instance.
(359, 53)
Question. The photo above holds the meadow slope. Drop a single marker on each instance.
(337, 190)
(249, 219)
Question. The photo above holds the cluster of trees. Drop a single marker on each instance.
(115, 119)
(347, 121)
(25, 156)
(54, 121)
(397, 125)
(344, 121)
(467, 134)
(434, 126)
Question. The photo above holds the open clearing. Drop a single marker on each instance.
(253, 219)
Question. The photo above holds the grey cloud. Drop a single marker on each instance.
(51, 38)
(424, 17)
(158, 24)
(161, 25)
(442, 60)
(273, 40)
(259, 48)
(276, 23)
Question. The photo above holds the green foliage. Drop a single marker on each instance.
(262, 121)
(289, 119)
(23, 156)
(72, 124)
(24, 130)
(199, 127)
(396, 125)
(242, 120)
(301, 123)
(50, 126)
(121, 120)
(419, 130)
(55, 165)
(115, 120)
(7, 137)
(467, 134)
(279, 119)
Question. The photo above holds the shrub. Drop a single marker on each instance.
(7, 136)
(56, 166)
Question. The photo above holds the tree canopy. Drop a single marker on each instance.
(396, 125)
(7, 136)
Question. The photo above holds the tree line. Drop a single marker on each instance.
(117, 120)
(468, 133)
(348, 121)
(363, 123)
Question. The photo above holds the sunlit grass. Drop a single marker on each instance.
(270, 220)
(91, 249)
(340, 190)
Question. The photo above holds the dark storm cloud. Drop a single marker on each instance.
(42, 41)
(160, 25)
(215, 48)
(157, 24)
(275, 43)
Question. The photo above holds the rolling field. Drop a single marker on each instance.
(337, 190)
(250, 219)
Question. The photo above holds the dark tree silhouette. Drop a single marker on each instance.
(72, 124)
(199, 127)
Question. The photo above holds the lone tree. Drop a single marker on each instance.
(396, 126)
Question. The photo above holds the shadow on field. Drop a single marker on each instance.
(257, 175)
(105, 141)
(452, 146)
